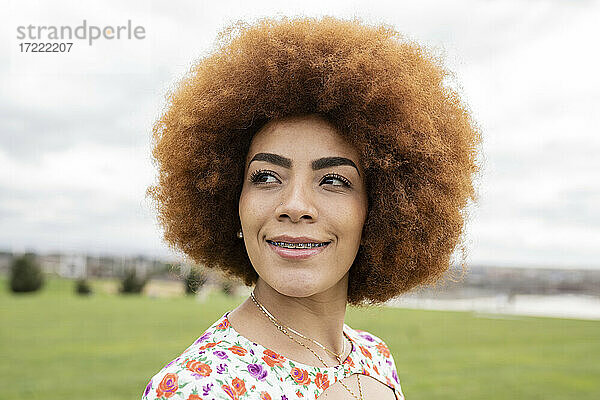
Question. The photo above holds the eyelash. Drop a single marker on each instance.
(256, 174)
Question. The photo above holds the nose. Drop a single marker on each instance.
(297, 203)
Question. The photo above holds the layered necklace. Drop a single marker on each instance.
(284, 328)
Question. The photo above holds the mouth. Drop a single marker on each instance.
(297, 251)
(306, 245)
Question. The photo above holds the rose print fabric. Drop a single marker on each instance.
(222, 364)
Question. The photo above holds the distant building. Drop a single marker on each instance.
(50, 263)
(73, 266)
(5, 261)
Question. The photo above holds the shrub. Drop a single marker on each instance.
(26, 274)
(194, 280)
(131, 283)
(227, 287)
(82, 287)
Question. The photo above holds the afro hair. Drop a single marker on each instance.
(385, 94)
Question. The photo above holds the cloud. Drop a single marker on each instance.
(87, 196)
(75, 131)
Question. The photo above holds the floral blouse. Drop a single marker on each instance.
(222, 364)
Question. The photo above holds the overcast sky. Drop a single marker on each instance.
(75, 127)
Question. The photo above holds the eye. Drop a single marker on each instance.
(335, 177)
(261, 176)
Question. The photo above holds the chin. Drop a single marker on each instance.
(295, 284)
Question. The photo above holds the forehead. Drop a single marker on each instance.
(302, 138)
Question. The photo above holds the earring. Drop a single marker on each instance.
(240, 234)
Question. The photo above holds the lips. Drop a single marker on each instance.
(296, 248)
(295, 239)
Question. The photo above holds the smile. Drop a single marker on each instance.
(297, 251)
(297, 245)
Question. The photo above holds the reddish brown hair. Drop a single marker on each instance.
(385, 94)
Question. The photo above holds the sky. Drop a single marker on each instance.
(75, 128)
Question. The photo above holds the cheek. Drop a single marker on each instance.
(253, 209)
(348, 220)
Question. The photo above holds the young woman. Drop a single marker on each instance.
(325, 163)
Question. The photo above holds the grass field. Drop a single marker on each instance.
(55, 345)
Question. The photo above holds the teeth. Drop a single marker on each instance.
(298, 245)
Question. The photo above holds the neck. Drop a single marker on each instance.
(319, 316)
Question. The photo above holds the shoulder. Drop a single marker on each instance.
(203, 369)
(371, 343)
(380, 361)
(218, 365)
(220, 371)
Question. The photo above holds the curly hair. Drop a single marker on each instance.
(384, 93)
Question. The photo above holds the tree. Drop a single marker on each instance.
(131, 283)
(82, 287)
(26, 274)
(227, 287)
(194, 280)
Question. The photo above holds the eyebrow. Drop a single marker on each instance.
(320, 163)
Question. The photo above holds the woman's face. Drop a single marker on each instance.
(302, 183)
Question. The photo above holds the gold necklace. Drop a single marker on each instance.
(283, 329)
(276, 321)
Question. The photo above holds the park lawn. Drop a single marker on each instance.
(56, 345)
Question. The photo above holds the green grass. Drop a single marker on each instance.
(55, 345)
